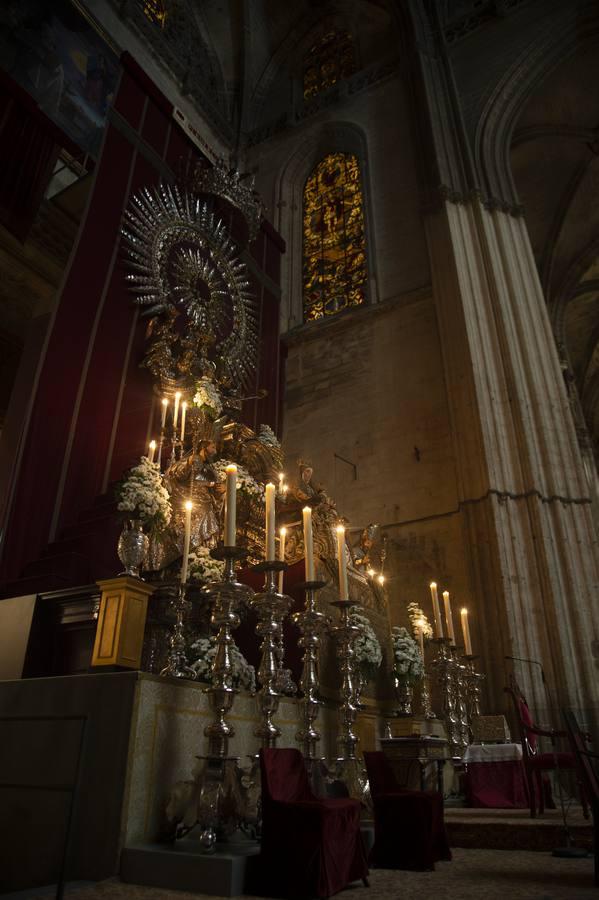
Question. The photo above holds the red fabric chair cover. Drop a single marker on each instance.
(310, 846)
(528, 723)
(409, 830)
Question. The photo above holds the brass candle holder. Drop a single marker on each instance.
(270, 607)
(311, 623)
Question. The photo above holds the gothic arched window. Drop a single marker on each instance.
(326, 62)
(334, 272)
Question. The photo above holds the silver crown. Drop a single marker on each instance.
(234, 187)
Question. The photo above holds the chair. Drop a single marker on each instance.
(310, 846)
(587, 774)
(409, 831)
(535, 762)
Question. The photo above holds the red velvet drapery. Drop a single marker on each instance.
(92, 410)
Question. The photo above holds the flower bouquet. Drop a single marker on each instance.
(408, 667)
(145, 500)
(244, 675)
(368, 655)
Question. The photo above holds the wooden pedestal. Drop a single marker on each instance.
(121, 622)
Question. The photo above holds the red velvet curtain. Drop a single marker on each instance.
(93, 409)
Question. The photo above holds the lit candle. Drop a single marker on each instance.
(436, 610)
(381, 579)
(342, 563)
(371, 573)
(164, 409)
(308, 544)
(282, 537)
(448, 617)
(466, 632)
(186, 540)
(270, 521)
(176, 412)
(230, 505)
(183, 414)
(152, 451)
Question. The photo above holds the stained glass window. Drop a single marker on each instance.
(330, 59)
(155, 11)
(334, 271)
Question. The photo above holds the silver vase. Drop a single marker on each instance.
(132, 547)
(404, 689)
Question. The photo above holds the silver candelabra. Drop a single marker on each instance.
(348, 768)
(311, 623)
(270, 607)
(443, 664)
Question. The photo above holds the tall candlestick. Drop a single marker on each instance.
(270, 521)
(282, 537)
(152, 451)
(186, 541)
(420, 626)
(436, 610)
(466, 632)
(342, 562)
(308, 543)
(164, 409)
(176, 412)
(230, 505)
(183, 414)
(448, 617)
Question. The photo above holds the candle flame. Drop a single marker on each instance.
(370, 572)
(445, 594)
(464, 610)
(231, 468)
(184, 404)
(177, 395)
(283, 531)
(270, 485)
(340, 529)
(307, 509)
(165, 401)
(188, 505)
(433, 584)
(381, 579)
(152, 445)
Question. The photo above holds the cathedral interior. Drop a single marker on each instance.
(299, 437)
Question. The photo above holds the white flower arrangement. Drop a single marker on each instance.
(203, 568)
(268, 437)
(244, 675)
(143, 496)
(246, 483)
(406, 653)
(419, 621)
(207, 397)
(367, 650)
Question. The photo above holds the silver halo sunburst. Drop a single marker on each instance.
(182, 260)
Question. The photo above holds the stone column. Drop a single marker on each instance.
(524, 497)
